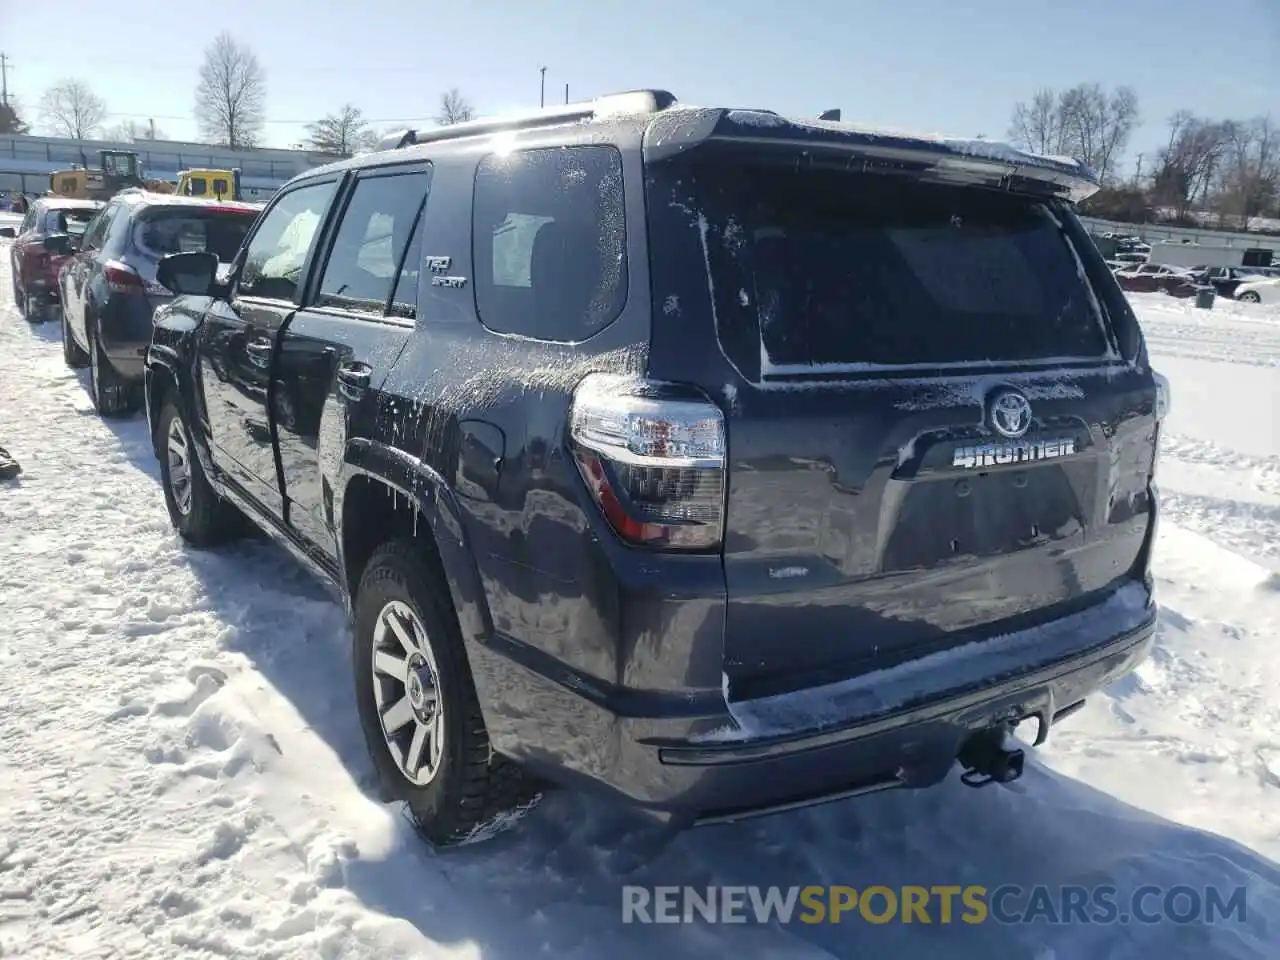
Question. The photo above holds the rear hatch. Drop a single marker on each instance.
(166, 229)
(939, 418)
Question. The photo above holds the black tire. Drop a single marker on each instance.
(72, 355)
(112, 395)
(31, 309)
(208, 520)
(475, 793)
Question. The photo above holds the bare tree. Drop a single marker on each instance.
(11, 118)
(1185, 167)
(342, 133)
(1084, 122)
(131, 131)
(70, 109)
(231, 94)
(1250, 171)
(1039, 126)
(454, 108)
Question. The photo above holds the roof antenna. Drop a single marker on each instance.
(830, 114)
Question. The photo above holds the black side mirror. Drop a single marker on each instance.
(188, 273)
(59, 244)
(8, 233)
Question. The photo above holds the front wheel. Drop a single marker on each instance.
(418, 706)
(201, 517)
(1249, 296)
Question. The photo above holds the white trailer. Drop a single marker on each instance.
(1173, 254)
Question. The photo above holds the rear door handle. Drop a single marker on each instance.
(353, 379)
(259, 352)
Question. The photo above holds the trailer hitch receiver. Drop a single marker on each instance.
(986, 761)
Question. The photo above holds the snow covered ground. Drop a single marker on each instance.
(181, 771)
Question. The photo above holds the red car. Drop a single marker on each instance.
(35, 269)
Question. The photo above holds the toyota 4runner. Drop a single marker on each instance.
(726, 462)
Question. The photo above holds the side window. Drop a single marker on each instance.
(365, 263)
(278, 249)
(220, 188)
(197, 187)
(29, 221)
(550, 241)
(97, 230)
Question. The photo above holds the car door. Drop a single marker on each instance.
(238, 337)
(337, 349)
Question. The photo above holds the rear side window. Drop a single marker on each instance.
(163, 231)
(550, 242)
(814, 268)
(368, 259)
(74, 222)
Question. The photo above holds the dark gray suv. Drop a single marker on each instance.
(108, 286)
(716, 460)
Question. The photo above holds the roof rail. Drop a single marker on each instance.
(629, 101)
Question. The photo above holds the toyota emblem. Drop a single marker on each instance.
(1010, 414)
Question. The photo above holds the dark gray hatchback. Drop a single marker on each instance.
(724, 461)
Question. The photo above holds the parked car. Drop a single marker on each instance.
(645, 457)
(1154, 277)
(33, 265)
(1225, 280)
(1259, 291)
(109, 289)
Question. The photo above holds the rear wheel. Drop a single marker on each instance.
(112, 395)
(1249, 296)
(201, 517)
(72, 355)
(418, 707)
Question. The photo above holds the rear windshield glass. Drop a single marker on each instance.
(74, 222)
(819, 268)
(179, 230)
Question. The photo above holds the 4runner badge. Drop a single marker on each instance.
(1021, 451)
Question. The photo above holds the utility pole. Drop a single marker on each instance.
(153, 129)
(566, 93)
(4, 79)
(1137, 177)
(542, 96)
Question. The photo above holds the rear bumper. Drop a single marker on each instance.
(713, 760)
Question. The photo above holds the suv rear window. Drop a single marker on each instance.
(72, 221)
(825, 268)
(161, 232)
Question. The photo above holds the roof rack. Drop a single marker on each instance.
(629, 101)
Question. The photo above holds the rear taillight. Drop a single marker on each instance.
(654, 462)
(121, 278)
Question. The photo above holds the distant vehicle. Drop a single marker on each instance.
(210, 184)
(1204, 255)
(116, 170)
(1259, 291)
(109, 288)
(34, 265)
(718, 460)
(1153, 277)
(1225, 280)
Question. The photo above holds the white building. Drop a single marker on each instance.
(26, 162)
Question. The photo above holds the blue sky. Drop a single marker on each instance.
(951, 67)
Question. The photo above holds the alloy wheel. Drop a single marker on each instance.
(406, 689)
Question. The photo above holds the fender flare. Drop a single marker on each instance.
(422, 486)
